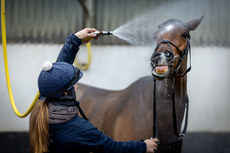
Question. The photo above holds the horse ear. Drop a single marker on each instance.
(193, 24)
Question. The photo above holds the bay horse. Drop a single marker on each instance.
(128, 114)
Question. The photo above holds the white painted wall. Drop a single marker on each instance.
(115, 67)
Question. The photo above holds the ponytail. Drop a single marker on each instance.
(39, 128)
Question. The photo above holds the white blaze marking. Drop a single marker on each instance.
(169, 27)
(163, 60)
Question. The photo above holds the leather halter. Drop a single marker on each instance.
(175, 71)
(182, 56)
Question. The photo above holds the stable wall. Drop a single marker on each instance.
(114, 68)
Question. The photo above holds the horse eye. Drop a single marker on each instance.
(186, 35)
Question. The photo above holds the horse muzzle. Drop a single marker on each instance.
(161, 64)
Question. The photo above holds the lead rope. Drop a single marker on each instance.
(154, 110)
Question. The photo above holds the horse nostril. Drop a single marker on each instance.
(152, 58)
(152, 64)
(155, 54)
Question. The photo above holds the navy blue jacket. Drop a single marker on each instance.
(78, 135)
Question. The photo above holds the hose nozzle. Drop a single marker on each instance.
(102, 33)
(99, 34)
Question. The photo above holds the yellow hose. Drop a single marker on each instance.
(7, 70)
(85, 66)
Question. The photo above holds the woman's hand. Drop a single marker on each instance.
(86, 34)
(151, 145)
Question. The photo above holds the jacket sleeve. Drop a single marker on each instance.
(97, 142)
(69, 50)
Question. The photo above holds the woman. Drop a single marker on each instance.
(55, 125)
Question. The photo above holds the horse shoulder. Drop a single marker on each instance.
(96, 102)
(116, 112)
(135, 116)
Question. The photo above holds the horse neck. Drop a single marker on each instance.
(181, 88)
(167, 86)
(164, 95)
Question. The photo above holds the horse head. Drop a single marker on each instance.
(169, 67)
(172, 46)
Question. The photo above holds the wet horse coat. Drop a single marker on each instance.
(128, 114)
